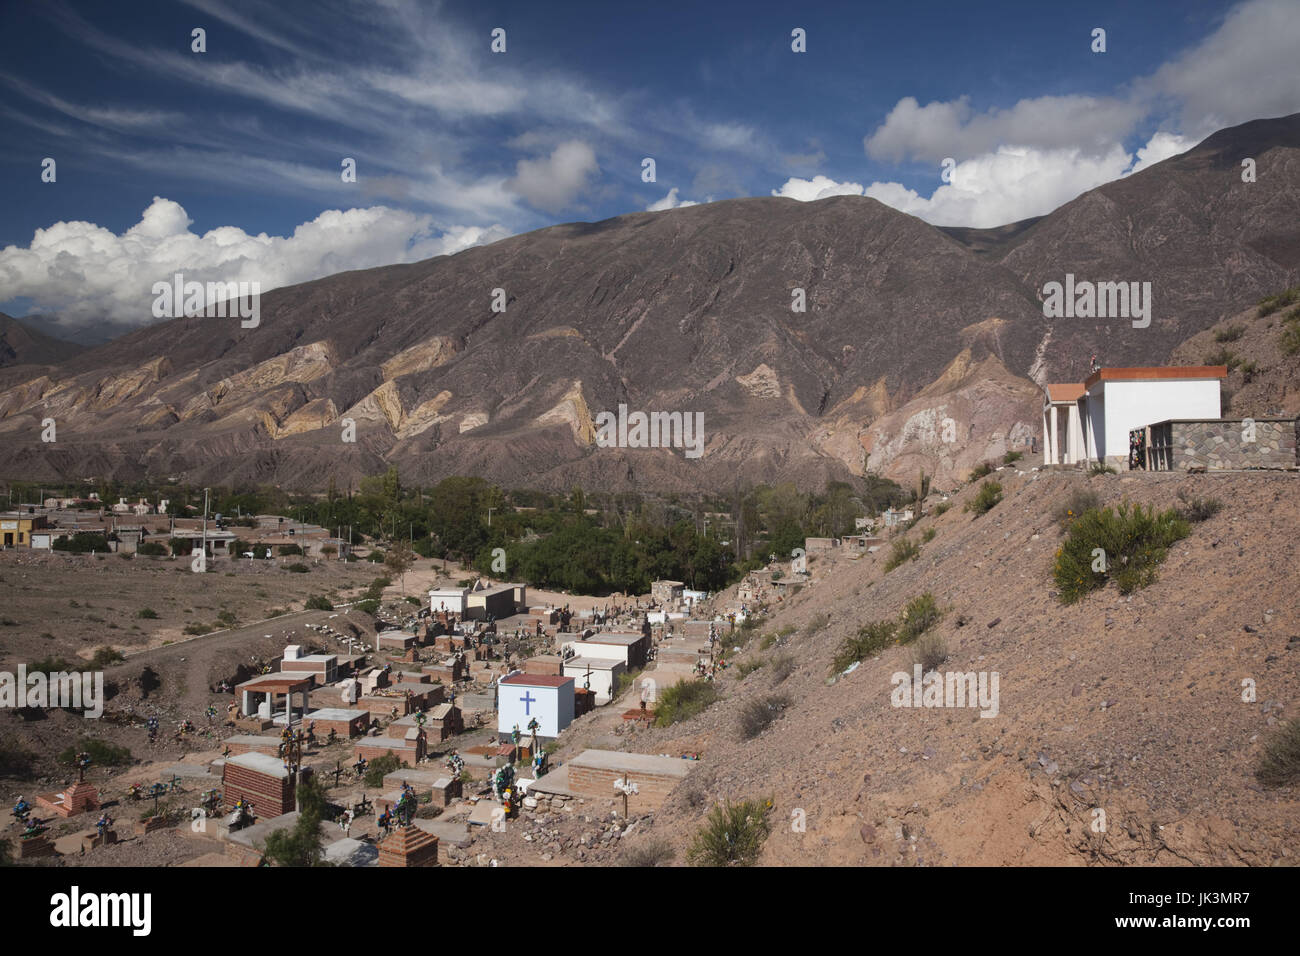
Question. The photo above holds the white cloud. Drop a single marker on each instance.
(819, 187)
(1006, 185)
(938, 130)
(1238, 73)
(554, 182)
(84, 272)
(670, 202)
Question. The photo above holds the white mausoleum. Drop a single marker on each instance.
(1091, 420)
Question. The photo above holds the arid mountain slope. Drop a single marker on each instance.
(681, 311)
(1131, 705)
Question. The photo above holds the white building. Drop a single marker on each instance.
(598, 674)
(1091, 420)
(521, 697)
(451, 600)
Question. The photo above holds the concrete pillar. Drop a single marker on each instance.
(246, 706)
(1056, 451)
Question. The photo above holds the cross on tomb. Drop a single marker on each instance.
(528, 700)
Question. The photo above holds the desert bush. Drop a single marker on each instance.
(289, 549)
(766, 641)
(198, 627)
(902, 551)
(1229, 333)
(102, 753)
(683, 701)
(368, 605)
(928, 535)
(1272, 303)
(986, 498)
(982, 470)
(318, 602)
(1248, 372)
(816, 623)
(1279, 763)
(147, 613)
(870, 640)
(227, 618)
(930, 651)
(757, 715)
(732, 836)
(921, 614)
(1223, 357)
(1195, 510)
(782, 667)
(1079, 500)
(380, 767)
(152, 549)
(1011, 457)
(106, 657)
(940, 508)
(1101, 468)
(748, 666)
(653, 851)
(1291, 338)
(1133, 541)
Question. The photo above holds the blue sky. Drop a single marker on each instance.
(226, 163)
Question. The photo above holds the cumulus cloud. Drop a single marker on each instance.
(1237, 73)
(939, 130)
(819, 187)
(1006, 185)
(85, 273)
(553, 182)
(670, 202)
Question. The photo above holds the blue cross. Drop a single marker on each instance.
(528, 698)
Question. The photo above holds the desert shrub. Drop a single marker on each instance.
(147, 613)
(106, 657)
(297, 568)
(930, 651)
(870, 640)
(289, 549)
(748, 666)
(1248, 371)
(940, 508)
(15, 759)
(766, 641)
(1079, 500)
(50, 664)
(1011, 457)
(902, 551)
(683, 701)
(816, 623)
(368, 605)
(921, 614)
(1133, 541)
(1101, 468)
(227, 618)
(1291, 338)
(81, 542)
(152, 549)
(757, 715)
(1195, 510)
(318, 602)
(1223, 357)
(982, 470)
(378, 768)
(1272, 303)
(1229, 333)
(986, 498)
(301, 846)
(199, 628)
(782, 667)
(928, 535)
(102, 753)
(650, 852)
(1279, 763)
(732, 836)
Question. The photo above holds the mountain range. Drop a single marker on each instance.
(919, 347)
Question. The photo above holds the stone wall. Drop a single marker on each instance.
(1219, 445)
